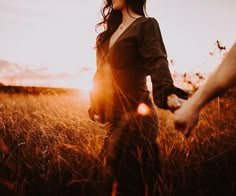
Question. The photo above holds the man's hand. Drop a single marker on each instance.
(186, 118)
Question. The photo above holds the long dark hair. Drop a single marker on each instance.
(113, 18)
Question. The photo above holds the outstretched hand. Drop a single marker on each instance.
(186, 118)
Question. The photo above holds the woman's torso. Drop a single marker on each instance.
(121, 71)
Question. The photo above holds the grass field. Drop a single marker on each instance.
(48, 145)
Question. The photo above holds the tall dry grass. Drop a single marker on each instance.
(48, 146)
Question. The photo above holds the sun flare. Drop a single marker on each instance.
(83, 82)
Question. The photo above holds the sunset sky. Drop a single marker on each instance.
(50, 42)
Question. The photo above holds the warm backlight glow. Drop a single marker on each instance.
(83, 82)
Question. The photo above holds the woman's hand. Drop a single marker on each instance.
(174, 102)
(107, 125)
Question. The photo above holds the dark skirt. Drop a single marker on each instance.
(129, 159)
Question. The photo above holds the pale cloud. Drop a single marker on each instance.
(53, 33)
(14, 74)
(6, 68)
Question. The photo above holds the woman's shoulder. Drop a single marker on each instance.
(147, 19)
(147, 22)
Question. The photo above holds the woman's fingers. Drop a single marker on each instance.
(106, 125)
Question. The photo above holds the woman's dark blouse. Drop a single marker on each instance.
(122, 69)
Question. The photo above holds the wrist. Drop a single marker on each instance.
(195, 104)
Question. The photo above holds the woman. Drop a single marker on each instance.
(128, 50)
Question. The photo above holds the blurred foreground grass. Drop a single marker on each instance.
(48, 145)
